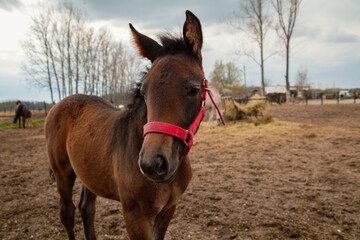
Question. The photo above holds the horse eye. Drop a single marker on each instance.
(193, 91)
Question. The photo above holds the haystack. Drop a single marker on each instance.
(255, 107)
(232, 110)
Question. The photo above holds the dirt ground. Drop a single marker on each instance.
(296, 177)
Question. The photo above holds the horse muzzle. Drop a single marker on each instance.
(159, 158)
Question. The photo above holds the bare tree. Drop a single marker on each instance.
(301, 78)
(64, 54)
(252, 19)
(86, 57)
(104, 59)
(58, 32)
(68, 16)
(37, 50)
(78, 36)
(287, 12)
(117, 57)
(52, 53)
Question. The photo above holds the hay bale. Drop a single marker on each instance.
(232, 110)
(255, 109)
(256, 106)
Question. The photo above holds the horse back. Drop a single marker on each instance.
(80, 135)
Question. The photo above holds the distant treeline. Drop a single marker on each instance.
(33, 106)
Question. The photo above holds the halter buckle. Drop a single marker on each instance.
(204, 82)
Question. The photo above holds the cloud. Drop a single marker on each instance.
(13, 87)
(10, 5)
(157, 13)
(340, 36)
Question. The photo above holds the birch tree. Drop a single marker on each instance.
(37, 50)
(253, 19)
(66, 56)
(287, 12)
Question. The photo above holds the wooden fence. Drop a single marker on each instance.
(281, 98)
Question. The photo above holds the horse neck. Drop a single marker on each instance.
(136, 118)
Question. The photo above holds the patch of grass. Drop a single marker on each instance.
(258, 166)
(44, 234)
(302, 202)
(9, 124)
(41, 121)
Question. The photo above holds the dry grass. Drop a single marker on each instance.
(236, 111)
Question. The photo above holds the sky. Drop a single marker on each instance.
(326, 39)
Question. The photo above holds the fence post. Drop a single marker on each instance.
(337, 97)
(306, 98)
(322, 98)
(45, 108)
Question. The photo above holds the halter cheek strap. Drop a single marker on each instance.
(185, 135)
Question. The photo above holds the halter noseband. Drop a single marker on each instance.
(178, 132)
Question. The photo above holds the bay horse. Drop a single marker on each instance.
(136, 156)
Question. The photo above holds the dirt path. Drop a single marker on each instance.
(295, 178)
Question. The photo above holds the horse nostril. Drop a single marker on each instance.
(161, 166)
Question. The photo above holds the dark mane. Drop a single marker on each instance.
(172, 44)
(137, 98)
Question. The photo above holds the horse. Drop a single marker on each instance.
(21, 112)
(212, 110)
(136, 156)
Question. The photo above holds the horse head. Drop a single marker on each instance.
(172, 89)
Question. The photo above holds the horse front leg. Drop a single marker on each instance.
(161, 224)
(138, 224)
(87, 210)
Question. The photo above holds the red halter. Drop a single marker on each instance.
(178, 132)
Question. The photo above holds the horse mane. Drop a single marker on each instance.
(137, 97)
(172, 44)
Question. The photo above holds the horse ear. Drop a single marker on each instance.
(192, 33)
(146, 46)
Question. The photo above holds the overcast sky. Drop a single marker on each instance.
(326, 40)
